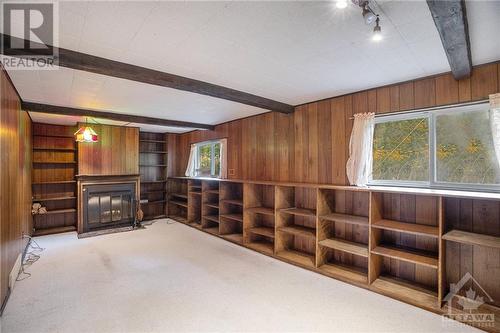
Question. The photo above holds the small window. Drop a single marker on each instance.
(401, 150)
(208, 159)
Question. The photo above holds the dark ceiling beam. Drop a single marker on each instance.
(61, 110)
(89, 63)
(450, 17)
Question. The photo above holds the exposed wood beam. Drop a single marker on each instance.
(61, 110)
(450, 17)
(89, 63)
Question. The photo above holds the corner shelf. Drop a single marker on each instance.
(153, 171)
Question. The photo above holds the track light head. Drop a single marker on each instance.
(341, 4)
(368, 15)
(377, 31)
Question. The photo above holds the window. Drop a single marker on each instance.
(450, 147)
(208, 159)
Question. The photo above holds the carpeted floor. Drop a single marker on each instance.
(170, 277)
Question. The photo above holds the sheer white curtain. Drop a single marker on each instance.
(223, 158)
(360, 149)
(190, 170)
(495, 123)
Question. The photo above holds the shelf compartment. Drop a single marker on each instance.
(235, 238)
(179, 195)
(212, 205)
(179, 203)
(234, 217)
(345, 246)
(55, 182)
(153, 141)
(213, 218)
(261, 210)
(299, 212)
(158, 202)
(298, 230)
(232, 202)
(261, 246)
(405, 291)
(194, 193)
(298, 257)
(346, 218)
(345, 273)
(212, 230)
(212, 192)
(406, 255)
(471, 238)
(408, 228)
(177, 218)
(196, 224)
(262, 231)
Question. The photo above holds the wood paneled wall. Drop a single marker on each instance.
(116, 152)
(15, 180)
(311, 145)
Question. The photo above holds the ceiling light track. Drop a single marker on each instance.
(369, 15)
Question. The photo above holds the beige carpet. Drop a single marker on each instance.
(169, 277)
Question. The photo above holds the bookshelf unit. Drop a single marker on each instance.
(210, 206)
(177, 196)
(194, 207)
(231, 211)
(258, 217)
(296, 224)
(153, 171)
(404, 244)
(53, 178)
(408, 244)
(343, 233)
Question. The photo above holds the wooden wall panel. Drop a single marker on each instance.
(15, 180)
(312, 145)
(116, 152)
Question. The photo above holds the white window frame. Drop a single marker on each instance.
(431, 114)
(212, 144)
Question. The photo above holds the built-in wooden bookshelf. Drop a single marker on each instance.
(153, 171)
(53, 178)
(409, 244)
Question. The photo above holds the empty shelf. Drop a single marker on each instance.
(409, 228)
(159, 201)
(178, 203)
(54, 162)
(299, 211)
(152, 141)
(195, 192)
(213, 218)
(152, 181)
(471, 238)
(346, 246)
(300, 258)
(264, 247)
(345, 218)
(152, 152)
(236, 238)
(213, 205)
(195, 224)
(212, 230)
(263, 231)
(53, 149)
(261, 210)
(405, 255)
(58, 211)
(212, 191)
(177, 218)
(341, 272)
(179, 195)
(299, 231)
(233, 202)
(235, 217)
(405, 291)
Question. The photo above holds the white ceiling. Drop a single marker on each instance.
(292, 52)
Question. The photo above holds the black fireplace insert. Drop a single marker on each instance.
(108, 206)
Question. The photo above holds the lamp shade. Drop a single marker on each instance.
(85, 134)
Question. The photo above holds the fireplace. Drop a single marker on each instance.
(107, 201)
(108, 206)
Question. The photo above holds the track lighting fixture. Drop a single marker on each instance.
(377, 31)
(341, 4)
(368, 15)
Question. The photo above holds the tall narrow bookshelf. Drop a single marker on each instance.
(153, 171)
(53, 178)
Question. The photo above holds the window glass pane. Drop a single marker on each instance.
(464, 149)
(217, 159)
(401, 150)
(204, 160)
